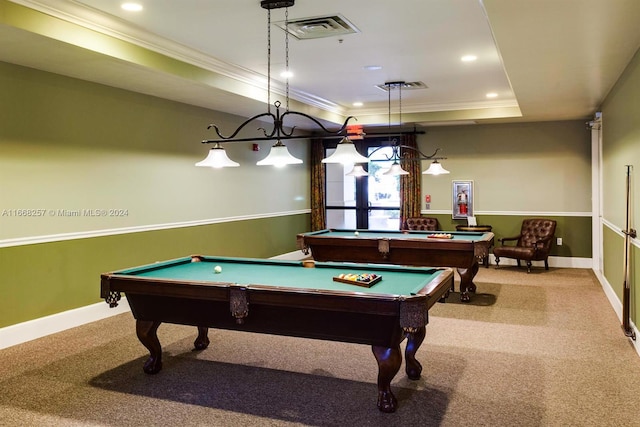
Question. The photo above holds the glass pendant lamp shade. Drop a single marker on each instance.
(435, 169)
(279, 156)
(396, 170)
(346, 153)
(357, 170)
(217, 158)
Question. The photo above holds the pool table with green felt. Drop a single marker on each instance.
(416, 248)
(285, 298)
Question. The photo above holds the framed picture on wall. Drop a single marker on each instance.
(462, 199)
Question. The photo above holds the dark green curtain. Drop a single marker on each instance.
(409, 184)
(318, 210)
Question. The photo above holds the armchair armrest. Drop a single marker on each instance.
(540, 242)
(507, 239)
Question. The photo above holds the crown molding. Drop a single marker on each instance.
(427, 108)
(102, 23)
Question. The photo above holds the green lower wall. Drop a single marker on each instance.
(614, 247)
(48, 278)
(575, 231)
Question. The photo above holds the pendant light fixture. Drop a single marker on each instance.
(396, 155)
(358, 170)
(279, 154)
(395, 169)
(217, 158)
(435, 168)
(279, 157)
(346, 153)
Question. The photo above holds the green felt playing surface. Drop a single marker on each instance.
(381, 234)
(396, 280)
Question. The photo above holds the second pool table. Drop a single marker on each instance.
(285, 298)
(414, 248)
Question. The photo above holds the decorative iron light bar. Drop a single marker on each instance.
(278, 132)
(435, 168)
(279, 155)
(345, 152)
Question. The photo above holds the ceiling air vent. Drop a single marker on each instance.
(405, 86)
(318, 27)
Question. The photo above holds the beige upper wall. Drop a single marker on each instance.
(621, 144)
(72, 145)
(525, 167)
(620, 147)
(67, 144)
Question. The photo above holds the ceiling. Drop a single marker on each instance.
(544, 59)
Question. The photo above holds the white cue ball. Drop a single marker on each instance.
(356, 234)
(217, 269)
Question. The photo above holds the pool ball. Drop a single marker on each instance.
(217, 269)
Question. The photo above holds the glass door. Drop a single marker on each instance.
(370, 202)
(342, 206)
(383, 191)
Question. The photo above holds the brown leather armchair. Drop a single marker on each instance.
(423, 223)
(533, 243)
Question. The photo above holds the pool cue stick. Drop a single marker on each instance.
(628, 234)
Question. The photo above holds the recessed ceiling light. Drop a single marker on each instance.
(492, 95)
(372, 67)
(468, 58)
(357, 104)
(132, 7)
(286, 74)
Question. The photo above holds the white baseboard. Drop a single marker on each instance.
(616, 304)
(559, 262)
(38, 328)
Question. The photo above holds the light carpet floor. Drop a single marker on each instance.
(539, 349)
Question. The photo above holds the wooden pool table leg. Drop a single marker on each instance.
(414, 341)
(202, 341)
(389, 361)
(147, 334)
(466, 281)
